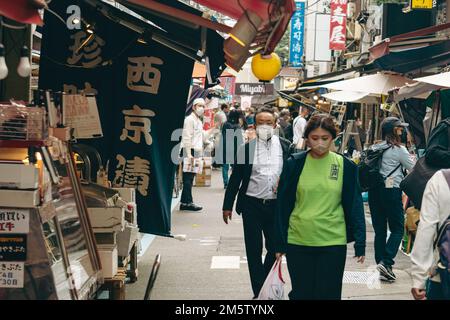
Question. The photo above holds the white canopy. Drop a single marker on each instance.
(345, 96)
(441, 79)
(419, 90)
(380, 83)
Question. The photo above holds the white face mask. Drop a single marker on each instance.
(320, 147)
(264, 132)
(199, 111)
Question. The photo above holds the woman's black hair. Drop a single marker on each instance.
(233, 116)
(323, 121)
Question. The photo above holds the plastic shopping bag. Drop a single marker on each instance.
(273, 287)
(193, 165)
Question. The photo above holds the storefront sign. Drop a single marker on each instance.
(13, 247)
(141, 97)
(423, 4)
(338, 24)
(14, 220)
(12, 274)
(253, 89)
(297, 35)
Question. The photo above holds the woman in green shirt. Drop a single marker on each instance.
(320, 210)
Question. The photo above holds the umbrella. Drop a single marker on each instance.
(441, 79)
(380, 83)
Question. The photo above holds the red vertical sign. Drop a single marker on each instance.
(338, 24)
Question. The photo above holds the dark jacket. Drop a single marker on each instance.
(438, 151)
(351, 202)
(228, 140)
(242, 170)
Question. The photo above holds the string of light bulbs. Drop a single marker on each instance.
(24, 66)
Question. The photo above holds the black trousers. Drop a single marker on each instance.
(186, 194)
(258, 220)
(316, 272)
(386, 208)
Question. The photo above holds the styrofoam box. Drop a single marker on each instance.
(18, 176)
(19, 198)
(109, 260)
(126, 239)
(110, 219)
(127, 194)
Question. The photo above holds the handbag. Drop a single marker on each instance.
(273, 287)
(415, 182)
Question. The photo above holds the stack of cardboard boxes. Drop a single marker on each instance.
(204, 179)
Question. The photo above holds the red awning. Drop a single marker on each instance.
(274, 18)
(235, 9)
(381, 49)
(25, 11)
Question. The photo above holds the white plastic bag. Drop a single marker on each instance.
(193, 165)
(273, 287)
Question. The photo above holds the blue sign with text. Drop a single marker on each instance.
(297, 35)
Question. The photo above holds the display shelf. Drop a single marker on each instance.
(21, 143)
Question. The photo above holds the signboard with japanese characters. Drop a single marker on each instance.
(81, 113)
(12, 274)
(338, 24)
(14, 220)
(13, 247)
(141, 93)
(297, 35)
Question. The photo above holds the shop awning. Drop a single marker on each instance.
(419, 90)
(441, 79)
(258, 34)
(345, 96)
(415, 59)
(200, 71)
(25, 11)
(417, 37)
(380, 83)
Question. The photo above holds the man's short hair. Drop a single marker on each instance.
(284, 113)
(267, 109)
(223, 106)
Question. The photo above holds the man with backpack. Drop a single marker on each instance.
(381, 173)
(431, 253)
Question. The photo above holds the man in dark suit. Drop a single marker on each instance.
(258, 166)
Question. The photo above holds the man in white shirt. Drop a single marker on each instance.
(254, 180)
(192, 147)
(299, 126)
(434, 212)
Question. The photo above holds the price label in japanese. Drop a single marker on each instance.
(13, 247)
(11, 274)
(14, 220)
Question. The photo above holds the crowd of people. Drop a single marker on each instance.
(299, 198)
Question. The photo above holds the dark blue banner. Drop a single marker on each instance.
(141, 91)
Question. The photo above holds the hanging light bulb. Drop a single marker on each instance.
(3, 67)
(24, 68)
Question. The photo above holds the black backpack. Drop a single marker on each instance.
(369, 169)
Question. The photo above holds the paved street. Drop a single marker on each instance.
(211, 263)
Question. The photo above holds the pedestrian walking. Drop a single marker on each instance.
(427, 280)
(299, 126)
(319, 211)
(232, 137)
(254, 181)
(192, 148)
(385, 201)
(438, 151)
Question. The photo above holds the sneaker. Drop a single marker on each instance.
(386, 272)
(384, 279)
(190, 207)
